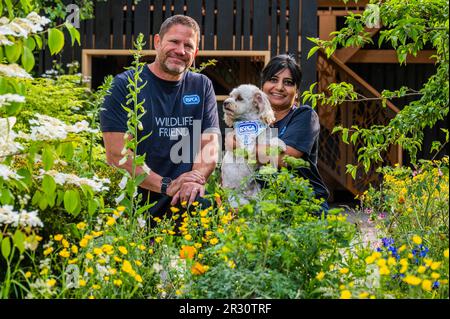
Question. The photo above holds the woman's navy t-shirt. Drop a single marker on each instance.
(177, 113)
(300, 129)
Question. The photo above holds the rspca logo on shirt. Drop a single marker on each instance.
(248, 128)
(193, 99)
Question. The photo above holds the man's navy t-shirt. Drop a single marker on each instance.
(300, 129)
(177, 113)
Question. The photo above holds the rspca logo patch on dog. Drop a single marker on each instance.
(193, 99)
(248, 131)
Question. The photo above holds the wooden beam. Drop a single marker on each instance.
(327, 24)
(389, 56)
(345, 54)
(340, 3)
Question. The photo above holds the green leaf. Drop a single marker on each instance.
(48, 184)
(36, 198)
(27, 59)
(6, 197)
(38, 40)
(345, 135)
(71, 200)
(30, 43)
(43, 203)
(312, 51)
(92, 206)
(47, 158)
(6, 247)
(74, 34)
(55, 40)
(13, 52)
(19, 240)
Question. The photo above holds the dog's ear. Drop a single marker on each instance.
(264, 109)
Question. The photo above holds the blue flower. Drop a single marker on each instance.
(387, 241)
(436, 284)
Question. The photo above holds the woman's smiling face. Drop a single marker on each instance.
(281, 90)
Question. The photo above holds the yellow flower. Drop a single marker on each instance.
(157, 219)
(73, 261)
(384, 271)
(98, 251)
(346, 294)
(174, 209)
(381, 262)
(64, 253)
(83, 242)
(392, 261)
(106, 278)
(96, 287)
(138, 263)
(51, 282)
(117, 282)
(446, 253)
(121, 208)
(27, 274)
(48, 251)
(370, 259)
(214, 241)
(320, 275)
(417, 240)
(435, 265)
(126, 267)
(198, 269)
(158, 239)
(426, 285)
(123, 250)
(44, 272)
(74, 249)
(82, 282)
(113, 271)
(232, 264)
(343, 270)
(183, 203)
(435, 275)
(89, 256)
(110, 221)
(412, 280)
(150, 251)
(58, 237)
(363, 295)
(81, 225)
(141, 247)
(109, 249)
(188, 237)
(91, 297)
(90, 270)
(65, 243)
(138, 278)
(421, 269)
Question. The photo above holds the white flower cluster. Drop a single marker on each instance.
(7, 136)
(46, 128)
(14, 71)
(97, 184)
(6, 173)
(10, 217)
(22, 27)
(6, 99)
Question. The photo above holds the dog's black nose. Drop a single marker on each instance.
(226, 103)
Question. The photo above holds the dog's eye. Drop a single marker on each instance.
(239, 98)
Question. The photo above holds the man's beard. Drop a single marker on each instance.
(174, 69)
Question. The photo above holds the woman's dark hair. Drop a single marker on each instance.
(279, 63)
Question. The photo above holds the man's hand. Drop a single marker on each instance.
(188, 192)
(188, 177)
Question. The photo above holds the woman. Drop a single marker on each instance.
(298, 125)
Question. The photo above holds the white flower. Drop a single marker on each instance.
(146, 169)
(119, 199)
(30, 219)
(97, 184)
(7, 136)
(141, 221)
(8, 98)
(13, 70)
(82, 126)
(123, 182)
(157, 267)
(37, 19)
(3, 21)
(4, 40)
(8, 216)
(123, 160)
(6, 173)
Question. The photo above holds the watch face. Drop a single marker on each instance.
(166, 180)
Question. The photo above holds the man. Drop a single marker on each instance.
(181, 115)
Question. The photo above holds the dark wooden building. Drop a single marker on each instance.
(242, 35)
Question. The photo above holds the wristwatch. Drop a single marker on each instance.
(165, 182)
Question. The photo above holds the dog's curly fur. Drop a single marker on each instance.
(245, 103)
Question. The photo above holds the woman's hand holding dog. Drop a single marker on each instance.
(192, 176)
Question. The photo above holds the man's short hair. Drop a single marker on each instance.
(182, 20)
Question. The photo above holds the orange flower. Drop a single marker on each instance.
(187, 252)
(199, 269)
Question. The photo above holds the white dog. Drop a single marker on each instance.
(248, 111)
